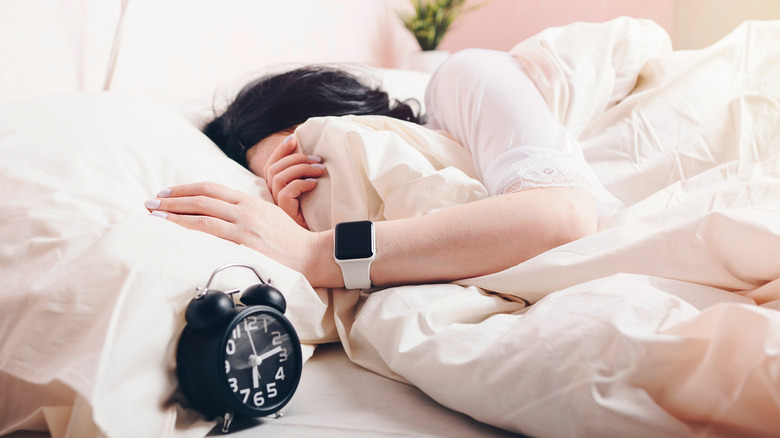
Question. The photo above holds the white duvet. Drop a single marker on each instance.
(665, 322)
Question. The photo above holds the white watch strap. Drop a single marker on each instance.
(356, 273)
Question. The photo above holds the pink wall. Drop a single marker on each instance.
(691, 24)
(500, 24)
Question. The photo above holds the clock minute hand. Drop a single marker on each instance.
(259, 359)
(255, 362)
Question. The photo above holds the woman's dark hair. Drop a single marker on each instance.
(277, 102)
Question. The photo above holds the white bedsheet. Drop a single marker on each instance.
(664, 322)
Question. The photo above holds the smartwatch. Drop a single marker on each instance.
(354, 250)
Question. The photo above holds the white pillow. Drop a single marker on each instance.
(95, 287)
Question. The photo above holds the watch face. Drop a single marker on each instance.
(262, 361)
(354, 240)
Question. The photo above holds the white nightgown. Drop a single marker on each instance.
(487, 102)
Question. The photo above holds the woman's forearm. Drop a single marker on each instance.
(469, 240)
(472, 239)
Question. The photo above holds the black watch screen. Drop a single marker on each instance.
(354, 240)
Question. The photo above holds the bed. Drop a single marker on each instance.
(665, 322)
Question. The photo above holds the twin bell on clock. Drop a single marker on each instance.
(238, 360)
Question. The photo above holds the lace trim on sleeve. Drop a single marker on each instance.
(541, 171)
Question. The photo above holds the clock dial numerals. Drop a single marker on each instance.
(256, 361)
(230, 349)
(250, 323)
(258, 399)
(271, 389)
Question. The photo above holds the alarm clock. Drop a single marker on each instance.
(238, 360)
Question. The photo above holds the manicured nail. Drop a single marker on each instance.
(159, 214)
(315, 158)
(314, 180)
(164, 193)
(318, 166)
(152, 204)
(289, 137)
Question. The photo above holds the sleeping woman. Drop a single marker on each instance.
(544, 194)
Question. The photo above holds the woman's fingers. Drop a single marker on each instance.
(284, 166)
(207, 224)
(293, 174)
(288, 198)
(289, 161)
(284, 149)
(208, 189)
(197, 205)
(201, 206)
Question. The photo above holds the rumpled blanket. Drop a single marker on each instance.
(666, 321)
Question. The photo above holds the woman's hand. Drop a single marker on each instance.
(238, 217)
(289, 175)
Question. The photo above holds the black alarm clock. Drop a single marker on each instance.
(238, 360)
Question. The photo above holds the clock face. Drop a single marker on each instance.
(262, 361)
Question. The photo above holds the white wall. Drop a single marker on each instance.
(178, 48)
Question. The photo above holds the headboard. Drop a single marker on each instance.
(51, 46)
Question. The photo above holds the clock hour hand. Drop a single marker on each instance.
(255, 377)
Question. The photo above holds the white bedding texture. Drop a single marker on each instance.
(664, 323)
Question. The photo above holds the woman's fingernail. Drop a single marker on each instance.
(318, 166)
(160, 214)
(315, 158)
(164, 193)
(289, 137)
(314, 180)
(152, 204)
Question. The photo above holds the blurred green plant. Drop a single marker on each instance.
(432, 19)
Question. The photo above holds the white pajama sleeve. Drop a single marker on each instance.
(488, 103)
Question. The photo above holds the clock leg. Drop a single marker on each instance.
(226, 420)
